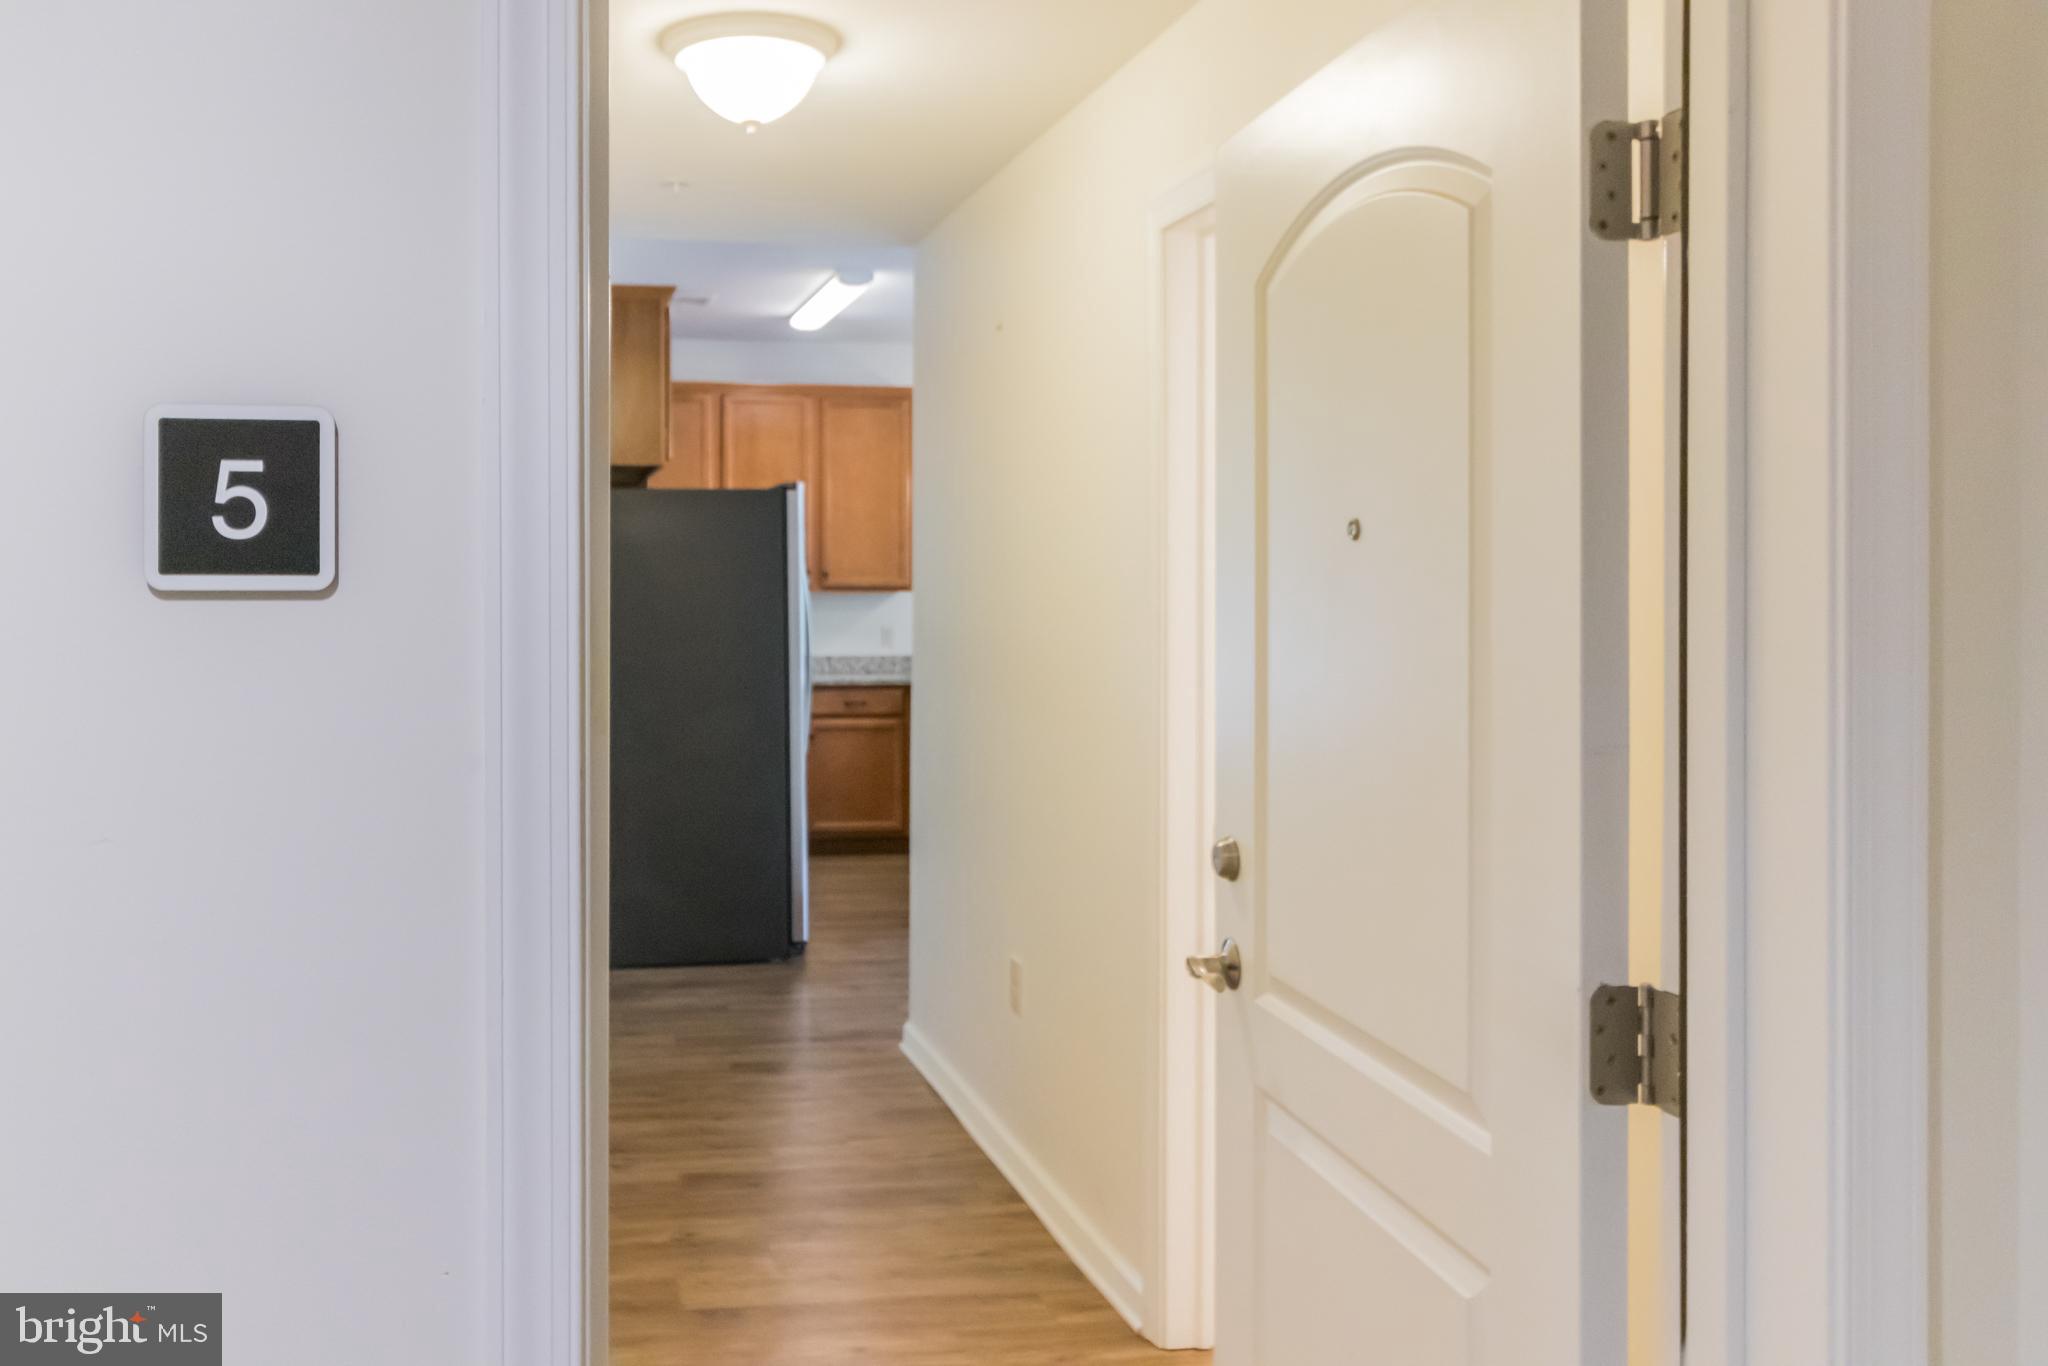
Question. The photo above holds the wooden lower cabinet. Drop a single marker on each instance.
(860, 763)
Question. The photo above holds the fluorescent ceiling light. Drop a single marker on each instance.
(750, 68)
(831, 299)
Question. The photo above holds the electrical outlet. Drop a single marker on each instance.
(1017, 988)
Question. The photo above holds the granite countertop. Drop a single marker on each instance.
(857, 671)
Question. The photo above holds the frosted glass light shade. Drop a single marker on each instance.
(750, 68)
(751, 80)
(831, 299)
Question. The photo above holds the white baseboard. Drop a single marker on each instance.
(1116, 1278)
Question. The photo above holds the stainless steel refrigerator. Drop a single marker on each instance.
(711, 693)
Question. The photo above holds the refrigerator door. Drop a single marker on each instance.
(702, 670)
(799, 622)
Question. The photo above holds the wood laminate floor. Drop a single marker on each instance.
(786, 1191)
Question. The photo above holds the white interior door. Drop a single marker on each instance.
(1422, 716)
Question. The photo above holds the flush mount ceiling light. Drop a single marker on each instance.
(750, 68)
(831, 299)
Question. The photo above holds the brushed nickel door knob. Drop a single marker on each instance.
(1226, 859)
(1219, 971)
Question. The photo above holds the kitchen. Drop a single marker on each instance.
(794, 1175)
(705, 406)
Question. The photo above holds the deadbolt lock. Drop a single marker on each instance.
(1226, 858)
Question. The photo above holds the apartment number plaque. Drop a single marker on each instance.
(238, 499)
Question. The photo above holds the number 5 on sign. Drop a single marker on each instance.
(224, 492)
(238, 499)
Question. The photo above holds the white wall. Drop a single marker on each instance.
(241, 910)
(1036, 757)
(1991, 689)
(792, 362)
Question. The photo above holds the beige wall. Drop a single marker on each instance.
(1990, 683)
(1036, 749)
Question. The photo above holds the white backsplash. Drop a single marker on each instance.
(860, 623)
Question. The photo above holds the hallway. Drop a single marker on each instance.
(786, 1191)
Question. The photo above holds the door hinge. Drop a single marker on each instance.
(1637, 1048)
(1637, 179)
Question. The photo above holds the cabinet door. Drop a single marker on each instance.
(860, 775)
(640, 382)
(768, 437)
(862, 502)
(693, 447)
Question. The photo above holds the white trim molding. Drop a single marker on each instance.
(1180, 1310)
(1716, 1084)
(1881, 461)
(541, 336)
(1076, 1234)
(1835, 1241)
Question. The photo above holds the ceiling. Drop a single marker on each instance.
(925, 100)
(745, 291)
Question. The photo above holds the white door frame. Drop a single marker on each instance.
(1807, 681)
(545, 337)
(1179, 1303)
(1714, 665)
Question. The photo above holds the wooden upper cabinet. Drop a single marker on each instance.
(695, 451)
(861, 502)
(768, 438)
(640, 374)
(849, 447)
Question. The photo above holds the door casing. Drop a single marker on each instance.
(1808, 545)
(1180, 1308)
(1845, 873)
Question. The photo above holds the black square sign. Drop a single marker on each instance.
(238, 500)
